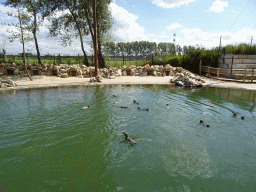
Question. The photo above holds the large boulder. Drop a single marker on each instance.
(63, 70)
(64, 75)
(119, 72)
(124, 73)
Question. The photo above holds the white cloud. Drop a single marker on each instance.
(163, 36)
(173, 26)
(206, 39)
(218, 6)
(125, 27)
(152, 35)
(171, 3)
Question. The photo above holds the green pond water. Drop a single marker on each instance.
(49, 143)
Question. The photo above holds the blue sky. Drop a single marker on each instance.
(195, 22)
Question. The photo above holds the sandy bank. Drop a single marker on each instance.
(53, 81)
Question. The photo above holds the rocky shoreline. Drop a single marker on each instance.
(127, 75)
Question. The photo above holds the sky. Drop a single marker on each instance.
(194, 22)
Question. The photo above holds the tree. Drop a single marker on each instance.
(33, 7)
(70, 23)
(104, 22)
(22, 34)
(80, 16)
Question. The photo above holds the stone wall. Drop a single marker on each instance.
(64, 70)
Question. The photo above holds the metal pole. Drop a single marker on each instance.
(95, 38)
(251, 45)
(220, 42)
(232, 65)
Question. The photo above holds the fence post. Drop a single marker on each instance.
(252, 75)
(208, 71)
(218, 73)
(60, 58)
(244, 75)
(232, 64)
(200, 66)
(4, 52)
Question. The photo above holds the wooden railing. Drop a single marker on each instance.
(242, 73)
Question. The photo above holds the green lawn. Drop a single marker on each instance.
(75, 60)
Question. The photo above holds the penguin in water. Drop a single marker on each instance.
(128, 139)
(86, 107)
(127, 107)
(167, 105)
(202, 123)
(235, 115)
(114, 95)
(135, 102)
(142, 109)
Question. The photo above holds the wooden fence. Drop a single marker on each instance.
(242, 74)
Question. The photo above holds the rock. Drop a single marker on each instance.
(143, 74)
(2, 85)
(62, 66)
(62, 70)
(132, 72)
(119, 72)
(112, 77)
(124, 73)
(93, 80)
(79, 72)
(10, 82)
(44, 70)
(64, 75)
(80, 76)
(147, 66)
(56, 67)
(154, 73)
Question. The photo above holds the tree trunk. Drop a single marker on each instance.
(23, 44)
(35, 38)
(86, 62)
(101, 59)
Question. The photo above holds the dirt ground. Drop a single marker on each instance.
(53, 81)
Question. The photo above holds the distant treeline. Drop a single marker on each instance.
(152, 48)
(139, 48)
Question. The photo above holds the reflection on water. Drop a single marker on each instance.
(49, 143)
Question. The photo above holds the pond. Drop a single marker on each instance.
(49, 143)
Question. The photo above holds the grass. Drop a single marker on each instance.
(75, 60)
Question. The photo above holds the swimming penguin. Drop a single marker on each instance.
(167, 105)
(235, 115)
(86, 107)
(127, 107)
(128, 139)
(114, 95)
(142, 109)
(202, 123)
(135, 102)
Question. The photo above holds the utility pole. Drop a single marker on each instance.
(95, 38)
(220, 42)
(174, 42)
(250, 46)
